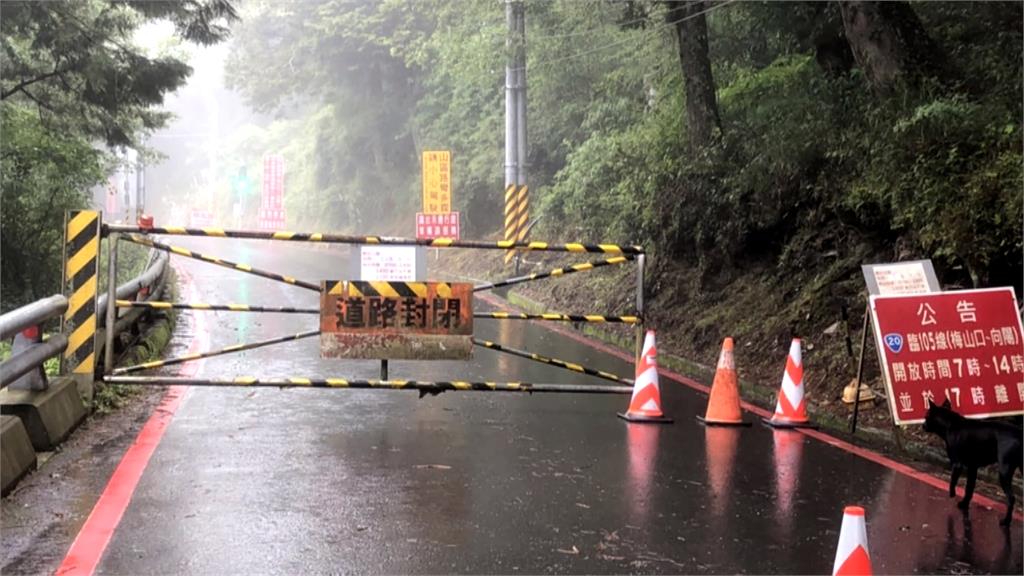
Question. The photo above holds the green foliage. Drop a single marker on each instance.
(73, 80)
(811, 161)
(42, 175)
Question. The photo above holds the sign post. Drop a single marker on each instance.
(911, 277)
(964, 345)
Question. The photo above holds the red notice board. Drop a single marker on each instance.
(964, 345)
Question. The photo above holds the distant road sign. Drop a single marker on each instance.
(437, 181)
(271, 215)
(200, 218)
(432, 226)
(912, 277)
(963, 345)
(396, 320)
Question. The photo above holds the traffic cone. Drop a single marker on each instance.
(791, 410)
(645, 406)
(724, 402)
(852, 558)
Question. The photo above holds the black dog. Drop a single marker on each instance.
(972, 444)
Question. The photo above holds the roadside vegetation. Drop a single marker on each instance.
(76, 86)
(761, 151)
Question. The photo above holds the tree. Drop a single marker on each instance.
(703, 123)
(889, 43)
(73, 81)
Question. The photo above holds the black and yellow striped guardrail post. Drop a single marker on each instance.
(558, 317)
(571, 366)
(343, 383)
(81, 250)
(582, 266)
(517, 212)
(240, 347)
(639, 327)
(145, 241)
(330, 238)
(158, 305)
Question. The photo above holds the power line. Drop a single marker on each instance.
(627, 40)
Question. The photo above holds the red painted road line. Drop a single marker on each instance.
(865, 453)
(95, 535)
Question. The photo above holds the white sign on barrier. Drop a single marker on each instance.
(391, 263)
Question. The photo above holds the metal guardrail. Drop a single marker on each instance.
(40, 311)
(31, 315)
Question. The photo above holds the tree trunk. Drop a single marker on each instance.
(702, 118)
(889, 43)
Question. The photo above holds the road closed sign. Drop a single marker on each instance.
(396, 320)
(965, 345)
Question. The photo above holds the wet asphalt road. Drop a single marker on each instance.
(313, 481)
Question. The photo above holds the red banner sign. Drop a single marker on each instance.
(271, 215)
(964, 345)
(432, 226)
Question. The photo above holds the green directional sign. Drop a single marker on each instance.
(241, 184)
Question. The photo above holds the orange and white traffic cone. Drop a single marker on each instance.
(791, 409)
(645, 405)
(852, 558)
(724, 402)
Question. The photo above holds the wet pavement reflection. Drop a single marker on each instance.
(315, 481)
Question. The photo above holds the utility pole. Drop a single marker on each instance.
(515, 99)
(520, 55)
(511, 97)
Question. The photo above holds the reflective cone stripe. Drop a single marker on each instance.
(646, 400)
(791, 406)
(852, 558)
(645, 404)
(724, 401)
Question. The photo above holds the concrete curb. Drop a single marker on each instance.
(50, 415)
(19, 458)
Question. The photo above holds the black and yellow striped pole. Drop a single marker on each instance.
(157, 305)
(583, 266)
(511, 219)
(81, 250)
(329, 238)
(227, 350)
(522, 216)
(555, 317)
(423, 387)
(145, 241)
(571, 366)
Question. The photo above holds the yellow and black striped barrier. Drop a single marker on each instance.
(552, 361)
(387, 289)
(81, 249)
(227, 350)
(581, 267)
(342, 383)
(386, 240)
(139, 239)
(157, 305)
(559, 317)
(517, 213)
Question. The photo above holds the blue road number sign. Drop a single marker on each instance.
(894, 342)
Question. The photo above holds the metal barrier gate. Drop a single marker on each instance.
(615, 255)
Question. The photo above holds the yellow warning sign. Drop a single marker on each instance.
(437, 181)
